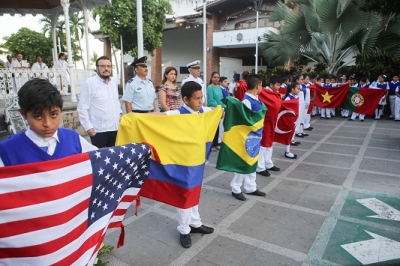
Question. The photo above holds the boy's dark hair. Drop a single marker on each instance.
(222, 79)
(60, 54)
(252, 81)
(39, 95)
(102, 58)
(38, 55)
(363, 79)
(285, 79)
(273, 80)
(189, 88)
(313, 76)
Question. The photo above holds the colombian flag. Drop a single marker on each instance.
(182, 144)
(242, 136)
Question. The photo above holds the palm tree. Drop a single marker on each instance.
(94, 57)
(77, 30)
(327, 31)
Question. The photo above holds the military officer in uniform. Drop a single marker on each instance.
(139, 94)
(194, 70)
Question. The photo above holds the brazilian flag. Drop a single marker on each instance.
(240, 145)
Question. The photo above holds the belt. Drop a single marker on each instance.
(141, 111)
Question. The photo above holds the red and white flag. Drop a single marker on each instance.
(285, 124)
(57, 212)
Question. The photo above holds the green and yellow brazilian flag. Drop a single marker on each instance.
(240, 145)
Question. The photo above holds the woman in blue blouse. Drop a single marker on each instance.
(214, 97)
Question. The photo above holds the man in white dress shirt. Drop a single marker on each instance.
(39, 65)
(99, 108)
(19, 63)
(194, 70)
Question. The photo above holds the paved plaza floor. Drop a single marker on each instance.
(337, 204)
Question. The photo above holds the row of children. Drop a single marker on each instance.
(392, 95)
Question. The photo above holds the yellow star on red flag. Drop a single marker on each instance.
(327, 97)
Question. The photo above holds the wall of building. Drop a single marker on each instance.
(182, 46)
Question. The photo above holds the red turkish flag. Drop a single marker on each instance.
(273, 102)
(331, 97)
(286, 120)
(241, 90)
(313, 93)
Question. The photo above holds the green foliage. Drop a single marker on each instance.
(120, 19)
(103, 249)
(76, 31)
(383, 7)
(372, 68)
(29, 43)
(329, 31)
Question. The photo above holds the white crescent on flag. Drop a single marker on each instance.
(277, 129)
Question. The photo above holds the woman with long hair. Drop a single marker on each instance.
(214, 97)
(169, 94)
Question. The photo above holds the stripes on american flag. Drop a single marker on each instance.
(57, 212)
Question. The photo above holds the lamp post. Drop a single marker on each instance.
(257, 5)
(139, 19)
(204, 40)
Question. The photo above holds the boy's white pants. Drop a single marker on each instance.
(354, 116)
(186, 217)
(326, 112)
(265, 159)
(397, 109)
(248, 181)
(392, 99)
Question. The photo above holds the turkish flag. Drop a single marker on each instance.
(241, 90)
(312, 98)
(331, 97)
(273, 102)
(286, 121)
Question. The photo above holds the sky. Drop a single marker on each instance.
(11, 24)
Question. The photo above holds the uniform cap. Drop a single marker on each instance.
(140, 61)
(194, 64)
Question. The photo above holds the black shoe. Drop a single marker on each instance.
(322, 117)
(201, 230)
(186, 242)
(361, 120)
(294, 156)
(264, 173)
(350, 119)
(328, 118)
(239, 196)
(309, 128)
(274, 168)
(295, 143)
(299, 135)
(257, 193)
(305, 134)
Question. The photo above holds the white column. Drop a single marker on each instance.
(65, 5)
(256, 68)
(204, 42)
(139, 19)
(86, 21)
(54, 17)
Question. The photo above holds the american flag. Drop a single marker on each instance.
(57, 212)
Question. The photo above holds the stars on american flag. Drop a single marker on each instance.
(115, 170)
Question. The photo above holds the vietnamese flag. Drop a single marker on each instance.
(363, 100)
(273, 102)
(331, 97)
(286, 121)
